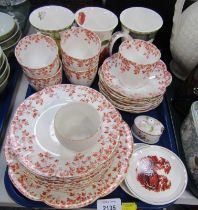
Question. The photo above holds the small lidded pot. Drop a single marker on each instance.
(147, 129)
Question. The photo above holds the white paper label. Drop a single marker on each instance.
(109, 204)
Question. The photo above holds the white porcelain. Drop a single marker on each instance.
(184, 39)
(77, 126)
(33, 123)
(40, 83)
(85, 78)
(164, 171)
(155, 85)
(7, 24)
(141, 23)
(68, 197)
(99, 20)
(147, 129)
(51, 18)
(11, 39)
(80, 49)
(39, 48)
(138, 59)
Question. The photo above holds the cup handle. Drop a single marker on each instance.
(117, 35)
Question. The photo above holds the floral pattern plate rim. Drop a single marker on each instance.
(156, 85)
(68, 197)
(35, 116)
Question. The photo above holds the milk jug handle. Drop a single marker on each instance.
(117, 35)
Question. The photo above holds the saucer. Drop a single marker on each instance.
(154, 86)
(156, 175)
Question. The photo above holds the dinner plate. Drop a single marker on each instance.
(66, 197)
(156, 175)
(155, 85)
(34, 140)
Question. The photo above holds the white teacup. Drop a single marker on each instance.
(77, 126)
(137, 59)
(80, 49)
(38, 55)
(141, 23)
(100, 21)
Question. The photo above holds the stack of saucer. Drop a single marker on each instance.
(67, 146)
(10, 33)
(4, 70)
(38, 56)
(134, 100)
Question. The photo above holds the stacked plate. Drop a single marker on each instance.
(134, 100)
(156, 175)
(44, 169)
(4, 70)
(10, 33)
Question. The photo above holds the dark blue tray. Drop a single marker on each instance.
(167, 140)
(7, 96)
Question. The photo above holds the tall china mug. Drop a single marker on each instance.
(141, 23)
(100, 21)
(80, 50)
(137, 58)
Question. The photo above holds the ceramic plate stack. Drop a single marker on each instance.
(156, 175)
(42, 169)
(136, 100)
(10, 33)
(4, 70)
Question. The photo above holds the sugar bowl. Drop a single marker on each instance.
(147, 129)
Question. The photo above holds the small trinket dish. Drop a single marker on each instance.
(147, 129)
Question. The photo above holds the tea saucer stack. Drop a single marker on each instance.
(133, 100)
(10, 33)
(4, 71)
(43, 169)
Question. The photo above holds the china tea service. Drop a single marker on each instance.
(67, 144)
